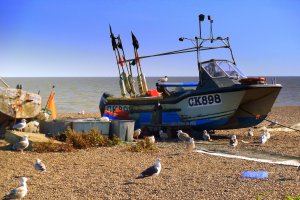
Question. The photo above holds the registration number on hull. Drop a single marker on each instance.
(205, 100)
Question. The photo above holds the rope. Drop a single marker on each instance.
(270, 120)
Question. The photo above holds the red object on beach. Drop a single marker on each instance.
(153, 93)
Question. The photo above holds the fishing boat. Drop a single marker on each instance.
(223, 98)
(16, 103)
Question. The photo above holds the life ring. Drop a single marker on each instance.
(257, 80)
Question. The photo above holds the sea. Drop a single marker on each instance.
(76, 94)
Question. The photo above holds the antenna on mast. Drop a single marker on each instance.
(201, 19)
(211, 29)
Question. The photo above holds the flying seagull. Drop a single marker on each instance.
(18, 193)
(20, 126)
(183, 136)
(206, 136)
(153, 170)
(233, 141)
(137, 133)
(40, 166)
(164, 79)
(22, 144)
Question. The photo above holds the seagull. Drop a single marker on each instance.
(151, 139)
(40, 166)
(263, 138)
(183, 136)
(81, 112)
(206, 136)
(250, 132)
(18, 193)
(104, 119)
(190, 145)
(273, 124)
(163, 135)
(22, 144)
(137, 133)
(153, 170)
(233, 141)
(164, 79)
(36, 123)
(20, 126)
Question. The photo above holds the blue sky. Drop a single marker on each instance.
(71, 37)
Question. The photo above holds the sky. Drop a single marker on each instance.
(70, 38)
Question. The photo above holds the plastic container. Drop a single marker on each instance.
(123, 129)
(255, 174)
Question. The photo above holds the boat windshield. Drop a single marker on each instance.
(217, 69)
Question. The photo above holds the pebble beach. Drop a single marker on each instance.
(110, 172)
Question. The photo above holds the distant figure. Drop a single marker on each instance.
(151, 139)
(190, 145)
(81, 112)
(22, 144)
(183, 136)
(250, 132)
(163, 135)
(206, 136)
(263, 139)
(164, 79)
(137, 133)
(151, 171)
(20, 126)
(40, 166)
(19, 192)
(104, 119)
(233, 141)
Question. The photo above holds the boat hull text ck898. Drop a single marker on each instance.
(223, 98)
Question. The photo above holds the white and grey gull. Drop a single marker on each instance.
(183, 136)
(19, 192)
(151, 171)
(233, 141)
(22, 144)
(40, 166)
(163, 79)
(20, 126)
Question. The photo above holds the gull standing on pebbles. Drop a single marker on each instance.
(20, 126)
(22, 144)
(40, 166)
(206, 136)
(263, 138)
(163, 135)
(183, 136)
(20, 192)
(164, 79)
(250, 132)
(137, 133)
(190, 145)
(151, 171)
(233, 141)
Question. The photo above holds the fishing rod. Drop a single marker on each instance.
(117, 55)
(141, 78)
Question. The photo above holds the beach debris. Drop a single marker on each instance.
(137, 133)
(81, 112)
(104, 119)
(151, 139)
(43, 116)
(40, 166)
(163, 79)
(20, 126)
(250, 132)
(151, 171)
(263, 138)
(273, 124)
(233, 141)
(206, 136)
(190, 145)
(255, 174)
(19, 192)
(183, 136)
(163, 135)
(22, 144)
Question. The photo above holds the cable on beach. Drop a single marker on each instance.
(285, 126)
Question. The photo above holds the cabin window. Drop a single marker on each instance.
(230, 69)
(213, 70)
